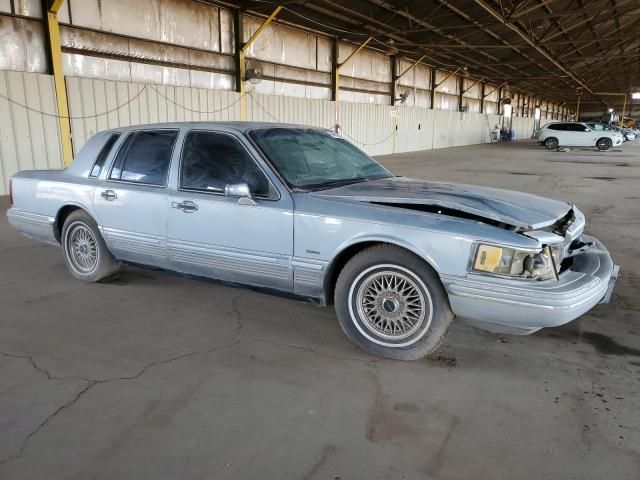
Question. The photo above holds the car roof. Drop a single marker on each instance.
(238, 126)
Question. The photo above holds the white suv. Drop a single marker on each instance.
(575, 134)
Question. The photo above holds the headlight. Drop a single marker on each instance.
(512, 262)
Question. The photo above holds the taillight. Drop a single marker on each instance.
(11, 192)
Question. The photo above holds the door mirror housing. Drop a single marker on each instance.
(240, 191)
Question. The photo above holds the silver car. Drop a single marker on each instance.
(302, 212)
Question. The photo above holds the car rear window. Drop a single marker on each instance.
(104, 153)
(145, 157)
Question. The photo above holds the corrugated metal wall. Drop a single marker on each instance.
(96, 105)
(31, 140)
(371, 127)
(28, 139)
(278, 108)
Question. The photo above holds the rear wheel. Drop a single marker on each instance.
(85, 252)
(604, 143)
(551, 143)
(390, 303)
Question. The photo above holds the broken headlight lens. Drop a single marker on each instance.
(516, 263)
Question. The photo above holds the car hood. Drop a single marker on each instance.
(518, 209)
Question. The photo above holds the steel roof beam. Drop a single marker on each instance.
(531, 42)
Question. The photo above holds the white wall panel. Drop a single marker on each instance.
(280, 44)
(28, 139)
(370, 127)
(523, 127)
(365, 64)
(415, 129)
(181, 22)
(22, 45)
(97, 105)
(278, 108)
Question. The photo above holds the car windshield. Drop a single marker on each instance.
(314, 159)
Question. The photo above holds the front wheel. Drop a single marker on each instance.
(604, 144)
(391, 303)
(551, 143)
(85, 253)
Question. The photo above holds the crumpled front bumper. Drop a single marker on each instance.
(522, 306)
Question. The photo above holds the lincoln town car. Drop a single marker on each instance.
(300, 211)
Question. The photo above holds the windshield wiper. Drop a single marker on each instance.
(337, 183)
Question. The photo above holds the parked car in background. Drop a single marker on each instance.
(576, 134)
(302, 211)
(629, 134)
(626, 133)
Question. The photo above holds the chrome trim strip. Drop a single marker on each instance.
(28, 217)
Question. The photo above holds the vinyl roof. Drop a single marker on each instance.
(559, 49)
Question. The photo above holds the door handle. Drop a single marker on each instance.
(109, 195)
(187, 206)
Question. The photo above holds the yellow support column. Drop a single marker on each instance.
(58, 79)
(241, 52)
(335, 71)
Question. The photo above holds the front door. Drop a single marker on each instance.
(131, 200)
(247, 241)
(580, 134)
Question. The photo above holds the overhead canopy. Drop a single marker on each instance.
(561, 49)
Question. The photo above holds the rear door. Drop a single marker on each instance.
(131, 199)
(224, 237)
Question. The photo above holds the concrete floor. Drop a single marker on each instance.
(159, 377)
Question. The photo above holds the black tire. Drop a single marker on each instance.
(551, 143)
(387, 261)
(604, 144)
(80, 240)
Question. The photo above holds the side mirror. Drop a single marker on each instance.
(241, 191)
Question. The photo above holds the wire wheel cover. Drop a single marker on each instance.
(82, 248)
(391, 304)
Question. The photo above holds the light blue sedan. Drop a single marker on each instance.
(300, 211)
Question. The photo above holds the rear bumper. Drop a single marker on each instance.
(524, 306)
(32, 225)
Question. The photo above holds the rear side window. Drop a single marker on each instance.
(144, 157)
(104, 153)
(576, 127)
(557, 126)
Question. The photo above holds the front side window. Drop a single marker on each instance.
(104, 153)
(145, 157)
(211, 161)
(311, 159)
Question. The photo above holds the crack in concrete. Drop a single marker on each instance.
(91, 382)
(316, 352)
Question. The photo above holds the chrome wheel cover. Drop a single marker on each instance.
(392, 305)
(82, 248)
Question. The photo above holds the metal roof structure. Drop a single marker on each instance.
(562, 49)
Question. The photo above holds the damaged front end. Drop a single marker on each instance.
(560, 242)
